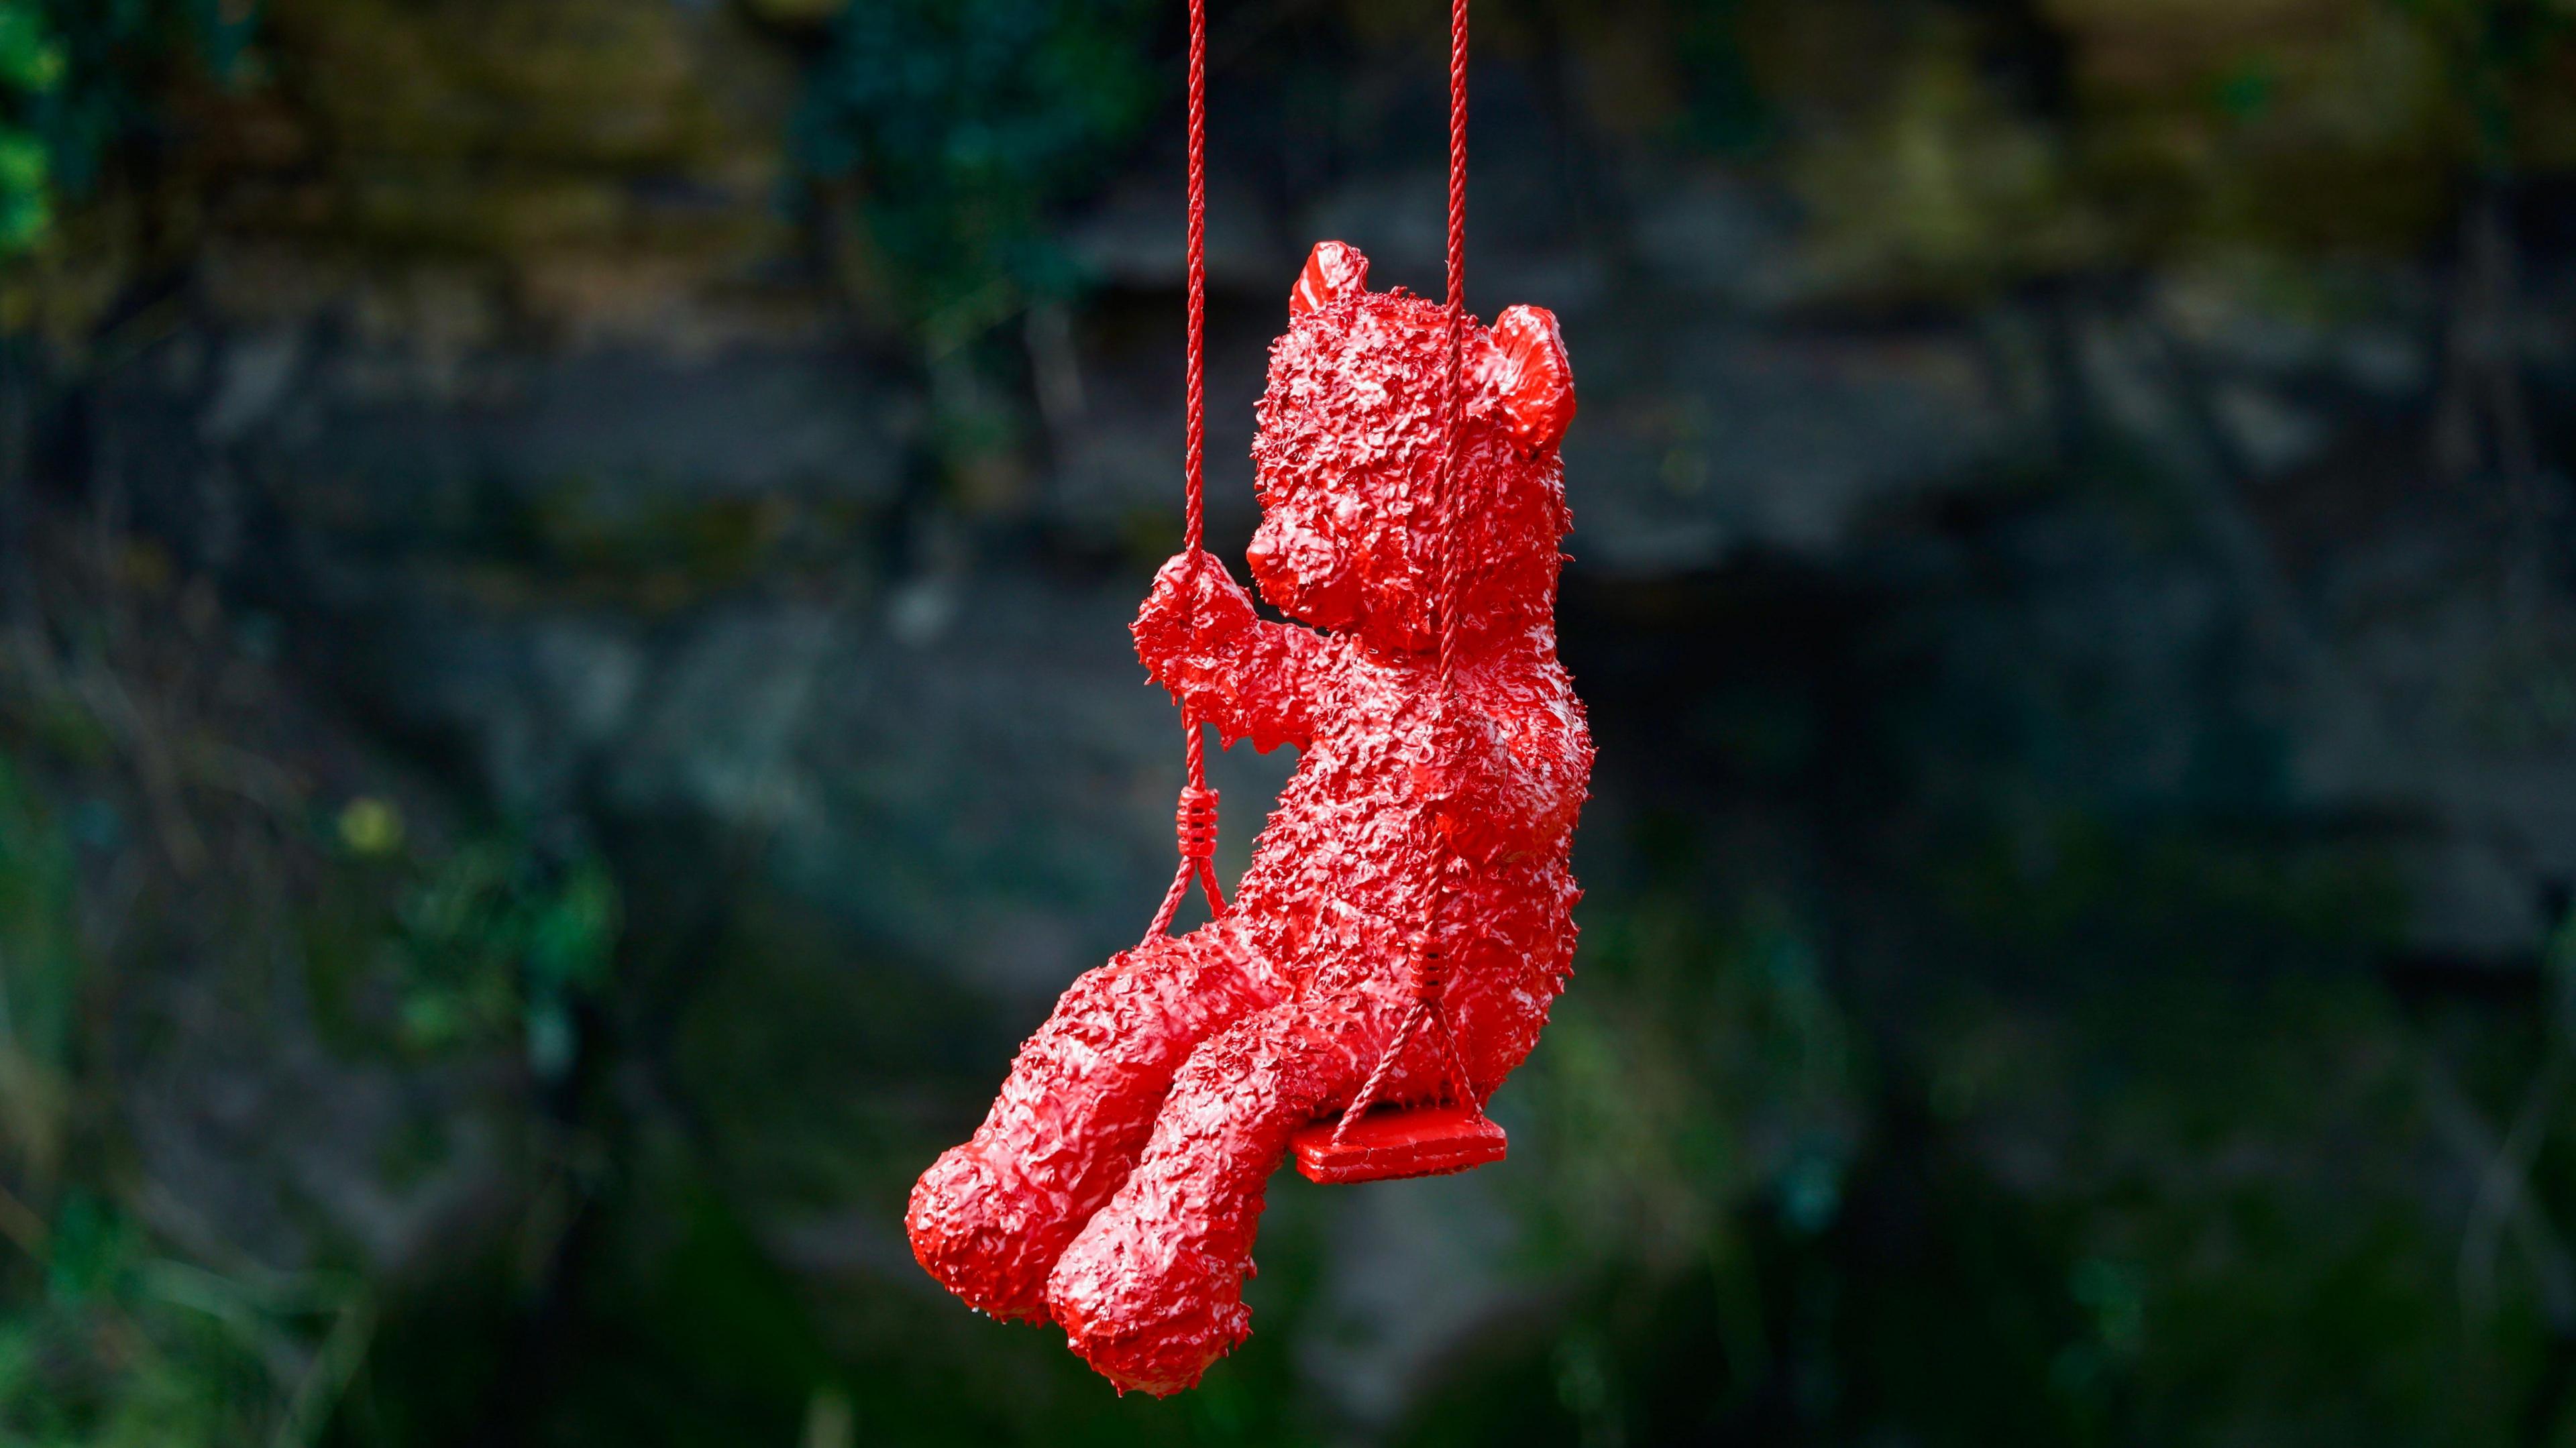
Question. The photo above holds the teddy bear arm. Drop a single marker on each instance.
(1250, 677)
(1198, 636)
(1258, 682)
(1280, 671)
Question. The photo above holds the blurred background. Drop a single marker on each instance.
(564, 704)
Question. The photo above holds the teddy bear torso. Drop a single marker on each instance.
(1340, 882)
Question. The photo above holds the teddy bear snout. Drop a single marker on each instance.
(1262, 553)
(1301, 569)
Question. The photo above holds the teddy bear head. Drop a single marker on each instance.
(1352, 428)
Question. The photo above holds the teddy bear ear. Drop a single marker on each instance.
(1334, 270)
(1536, 382)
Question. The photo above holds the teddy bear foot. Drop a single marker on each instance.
(1152, 1326)
(972, 1231)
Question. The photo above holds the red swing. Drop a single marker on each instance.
(1368, 1141)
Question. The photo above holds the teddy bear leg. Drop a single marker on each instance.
(1151, 1291)
(990, 1217)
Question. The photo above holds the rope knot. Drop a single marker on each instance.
(1194, 822)
(1430, 970)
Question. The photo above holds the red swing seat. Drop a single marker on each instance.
(1372, 1140)
(1393, 1142)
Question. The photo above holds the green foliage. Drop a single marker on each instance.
(497, 940)
(1727, 113)
(121, 1346)
(32, 62)
(1692, 1025)
(119, 58)
(78, 78)
(2506, 63)
(40, 970)
(107, 1339)
(961, 122)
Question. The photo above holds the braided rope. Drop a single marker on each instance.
(1194, 829)
(1429, 965)
(1453, 430)
(1197, 820)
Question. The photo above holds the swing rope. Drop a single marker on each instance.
(1194, 819)
(1429, 965)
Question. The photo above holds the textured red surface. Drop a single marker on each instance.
(1115, 1186)
(1415, 1141)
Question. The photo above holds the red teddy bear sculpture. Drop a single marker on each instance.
(1115, 1185)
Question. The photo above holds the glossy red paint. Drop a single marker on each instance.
(1413, 1141)
(1116, 1184)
